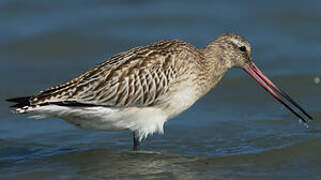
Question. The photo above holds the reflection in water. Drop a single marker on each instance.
(104, 163)
(236, 132)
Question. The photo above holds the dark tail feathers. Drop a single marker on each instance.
(21, 101)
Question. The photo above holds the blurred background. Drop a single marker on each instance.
(237, 131)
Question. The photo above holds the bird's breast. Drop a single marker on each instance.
(180, 98)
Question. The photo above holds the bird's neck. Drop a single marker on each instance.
(213, 68)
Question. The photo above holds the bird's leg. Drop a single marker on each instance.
(136, 146)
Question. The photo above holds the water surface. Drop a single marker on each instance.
(237, 131)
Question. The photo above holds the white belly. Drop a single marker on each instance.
(144, 121)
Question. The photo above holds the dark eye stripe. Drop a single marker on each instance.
(243, 48)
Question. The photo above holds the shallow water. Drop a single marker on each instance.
(237, 131)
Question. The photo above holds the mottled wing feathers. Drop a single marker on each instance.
(137, 77)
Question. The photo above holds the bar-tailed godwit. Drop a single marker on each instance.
(140, 89)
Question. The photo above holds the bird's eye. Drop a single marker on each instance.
(243, 48)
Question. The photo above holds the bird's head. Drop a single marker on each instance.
(232, 50)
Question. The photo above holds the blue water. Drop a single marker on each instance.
(237, 131)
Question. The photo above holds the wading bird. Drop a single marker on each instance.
(140, 89)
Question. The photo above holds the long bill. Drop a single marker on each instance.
(270, 87)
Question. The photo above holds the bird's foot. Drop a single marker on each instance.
(136, 140)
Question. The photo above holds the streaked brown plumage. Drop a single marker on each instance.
(141, 88)
(138, 77)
